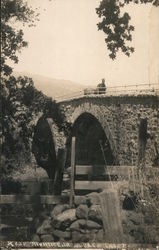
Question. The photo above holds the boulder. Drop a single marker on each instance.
(92, 235)
(47, 223)
(78, 237)
(84, 224)
(64, 219)
(35, 238)
(87, 236)
(58, 209)
(93, 198)
(65, 240)
(76, 225)
(62, 234)
(95, 213)
(82, 211)
(93, 225)
(47, 238)
(80, 200)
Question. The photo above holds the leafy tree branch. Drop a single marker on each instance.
(116, 24)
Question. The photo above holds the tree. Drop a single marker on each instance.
(21, 102)
(12, 40)
(116, 25)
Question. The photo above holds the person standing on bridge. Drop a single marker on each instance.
(101, 87)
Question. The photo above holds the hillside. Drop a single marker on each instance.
(53, 87)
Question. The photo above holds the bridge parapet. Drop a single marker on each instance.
(123, 90)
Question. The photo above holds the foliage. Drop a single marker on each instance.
(148, 207)
(142, 212)
(116, 25)
(21, 102)
(13, 11)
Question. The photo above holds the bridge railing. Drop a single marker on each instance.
(134, 89)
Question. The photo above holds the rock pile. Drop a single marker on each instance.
(83, 223)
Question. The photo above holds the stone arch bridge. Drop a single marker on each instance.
(129, 124)
(109, 130)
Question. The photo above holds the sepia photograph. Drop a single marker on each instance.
(79, 130)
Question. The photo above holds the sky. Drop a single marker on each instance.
(66, 44)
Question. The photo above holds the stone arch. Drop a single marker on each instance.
(88, 108)
(92, 143)
(44, 146)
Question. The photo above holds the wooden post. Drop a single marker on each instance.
(61, 160)
(111, 215)
(72, 192)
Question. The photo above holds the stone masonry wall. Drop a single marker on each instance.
(120, 118)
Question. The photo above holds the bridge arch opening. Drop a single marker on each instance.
(92, 145)
(43, 147)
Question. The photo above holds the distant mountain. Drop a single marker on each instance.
(54, 88)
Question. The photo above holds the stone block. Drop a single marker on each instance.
(80, 200)
(88, 236)
(95, 213)
(93, 198)
(84, 224)
(62, 234)
(64, 219)
(82, 211)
